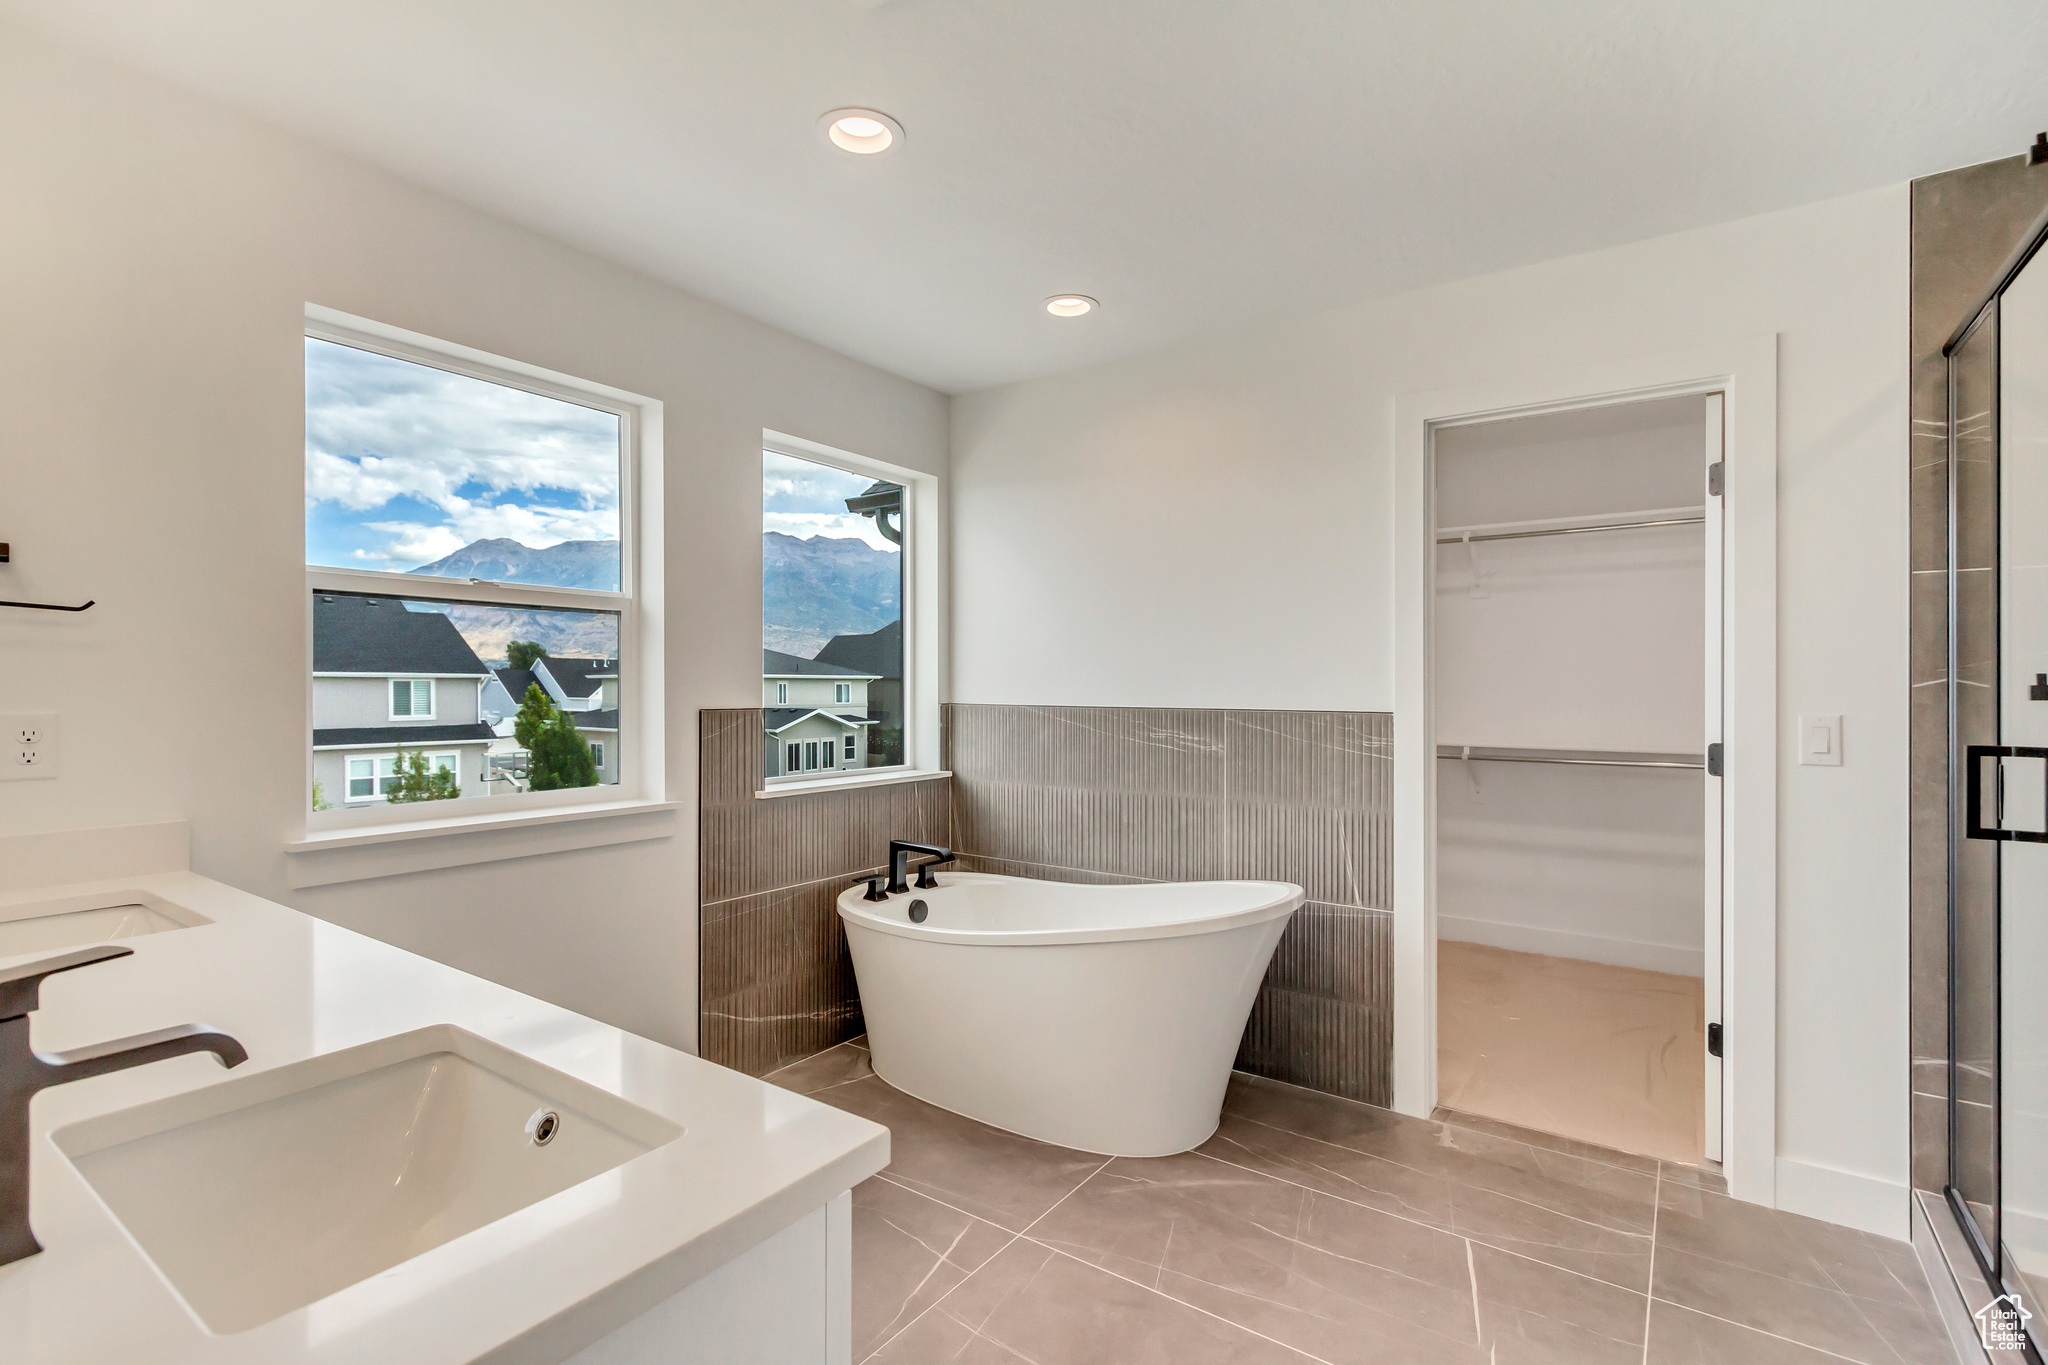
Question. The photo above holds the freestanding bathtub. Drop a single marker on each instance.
(1103, 1018)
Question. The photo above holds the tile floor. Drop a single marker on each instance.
(1312, 1228)
(1610, 1055)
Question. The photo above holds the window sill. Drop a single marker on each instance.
(829, 784)
(362, 852)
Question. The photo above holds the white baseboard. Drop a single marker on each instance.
(1850, 1198)
(1617, 952)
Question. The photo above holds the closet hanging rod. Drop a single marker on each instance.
(1676, 516)
(1578, 758)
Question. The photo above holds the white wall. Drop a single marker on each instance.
(1210, 526)
(156, 257)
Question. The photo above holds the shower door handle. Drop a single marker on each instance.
(1973, 789)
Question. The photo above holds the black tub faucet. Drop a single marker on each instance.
(24, 1071)
(899, 864)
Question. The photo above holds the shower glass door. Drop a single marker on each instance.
(1998, 734)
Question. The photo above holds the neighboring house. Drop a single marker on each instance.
(879, 654)
(587, 690)
(385, 678)
(816, 714)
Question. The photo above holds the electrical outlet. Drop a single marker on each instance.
(30, 751)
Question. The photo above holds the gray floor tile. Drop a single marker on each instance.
(821, 1070)
(1679, 1336)
(1033, 1304)
(1606, 1156)
(1000, 1177)
(1323, 1275)
(1823, 1318)
(1531, 1313)
(908, 1253)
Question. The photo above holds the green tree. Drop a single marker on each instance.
(415, 781)
(557, 754)
(523, 653)
(320, 801)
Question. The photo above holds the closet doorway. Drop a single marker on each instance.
(1578, 679)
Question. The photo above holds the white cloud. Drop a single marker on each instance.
(804, 525)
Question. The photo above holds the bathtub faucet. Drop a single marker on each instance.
(899, 864)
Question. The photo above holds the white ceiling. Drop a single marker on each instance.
(1191, 163)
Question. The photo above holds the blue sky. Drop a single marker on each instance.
(803, 499)
(406, 463)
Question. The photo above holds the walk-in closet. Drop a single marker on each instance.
(1577, 658)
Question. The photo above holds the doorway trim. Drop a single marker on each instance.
(1746, 370)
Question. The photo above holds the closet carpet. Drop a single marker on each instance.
(1609, 1055)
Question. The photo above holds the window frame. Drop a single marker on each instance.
(391, 698)
(641, 760)
(377, 794)
(922, 612)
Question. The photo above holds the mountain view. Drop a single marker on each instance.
(570, 564)
(813, 589)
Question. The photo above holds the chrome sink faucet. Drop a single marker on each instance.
(24, 1071)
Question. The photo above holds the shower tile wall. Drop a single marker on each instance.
(775, 982)
(1964, 223)
(1117, 794)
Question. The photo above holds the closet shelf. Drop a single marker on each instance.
(1571, 526)
(1583, 758)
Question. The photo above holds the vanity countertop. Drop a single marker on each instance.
(536, 1286)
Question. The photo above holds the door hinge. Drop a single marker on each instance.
(1714, 763)
(1713, 1040)
(1716, 477)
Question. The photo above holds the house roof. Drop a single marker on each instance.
(776, 664)
(595, 720)
(378, 635)
(879, 653)
(577, 677)
(515, 681)
(780, 718)
(411, 736)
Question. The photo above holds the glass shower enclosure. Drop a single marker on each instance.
(1998, 779)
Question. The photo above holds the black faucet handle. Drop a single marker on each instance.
(877, 888)
(925, 880)
(19, 983)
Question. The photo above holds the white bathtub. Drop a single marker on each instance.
(1103, 1018)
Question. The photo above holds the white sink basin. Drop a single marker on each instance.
(262, 1194)
(75, 921)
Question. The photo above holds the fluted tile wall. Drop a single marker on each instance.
(1110, 794)
(775, 982)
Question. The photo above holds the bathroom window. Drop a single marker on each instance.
(835, 538)
(470, 559)
(412, 698)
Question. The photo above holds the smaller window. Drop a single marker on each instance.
(793, 757)
(843, 693)
(597, 752)
(362, 779)
(849, 748)
(810, 754)
(412, 697)
(782, 692)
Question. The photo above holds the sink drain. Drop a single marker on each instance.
(543, 1126)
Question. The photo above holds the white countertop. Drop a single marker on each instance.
(533, 1287)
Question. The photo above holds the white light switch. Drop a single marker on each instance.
(1820, 741)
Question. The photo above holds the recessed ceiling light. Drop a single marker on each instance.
(864, 132)
(1069, 305)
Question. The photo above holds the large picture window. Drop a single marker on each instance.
(468, 555)
(833, 592)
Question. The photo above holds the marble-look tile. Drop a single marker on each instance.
(1870, 1331)
(1326, 1276)
(1787, 1245)
(1507, 1222)
(1610, 1055)
(1677, 1176)
(1589, 1191)
(996, 1176)
(1531, 1313)
(1679, 1336)
(908, 1253)
(1550, 1142)
(1033, 1304)
(837, 1065)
